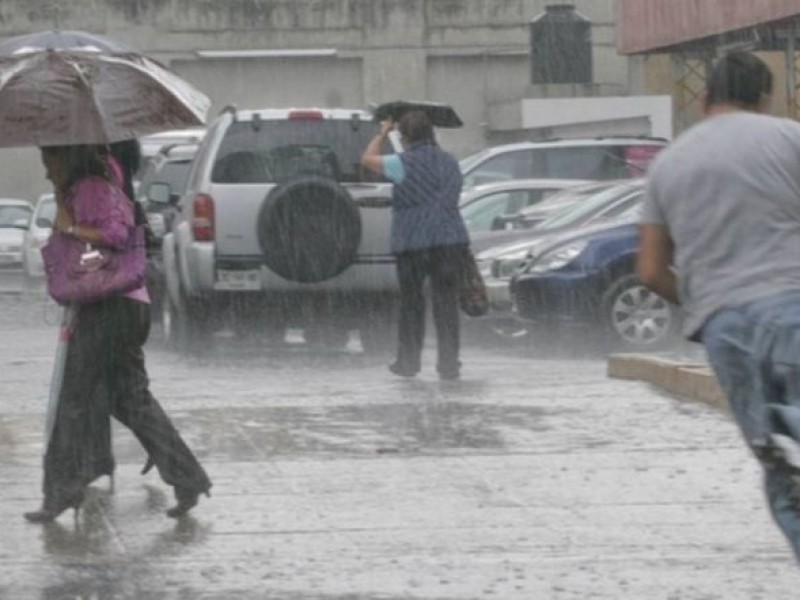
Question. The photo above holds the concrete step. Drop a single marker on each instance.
(688, 379)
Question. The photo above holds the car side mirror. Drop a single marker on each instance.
(159, 193)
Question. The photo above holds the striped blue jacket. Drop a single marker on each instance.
(425, 202)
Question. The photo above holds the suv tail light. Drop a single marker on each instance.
(203, 221)
(306, 115)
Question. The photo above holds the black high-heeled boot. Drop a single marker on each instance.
(187, 500)
(50, 511)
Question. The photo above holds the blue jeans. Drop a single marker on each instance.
(754, 350)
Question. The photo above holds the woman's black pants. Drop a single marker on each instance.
(105, 376)
(444, 265)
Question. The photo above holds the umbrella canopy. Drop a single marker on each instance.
(80, 95)
(441, 115)
(60, 40)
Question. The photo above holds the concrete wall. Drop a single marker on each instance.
(470, 53)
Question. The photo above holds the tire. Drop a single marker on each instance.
(309, 229)
(636, 318)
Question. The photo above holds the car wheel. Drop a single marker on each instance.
(637, 318)
(309, 229)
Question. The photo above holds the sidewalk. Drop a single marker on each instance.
(528, 480)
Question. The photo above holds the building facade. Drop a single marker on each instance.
(473, 54)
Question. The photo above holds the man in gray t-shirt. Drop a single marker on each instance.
(720, 234)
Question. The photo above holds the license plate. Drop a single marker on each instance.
(238, 280)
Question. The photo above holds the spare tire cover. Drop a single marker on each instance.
(309, 229)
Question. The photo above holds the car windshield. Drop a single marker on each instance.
(467, 163)
(579, 213)
(14, 215)
(480, 214)
(563, 199)
(276, 151)
(46, 212)
(175, 174)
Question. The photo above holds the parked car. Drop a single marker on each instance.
(518, 226)
(597, 158)
(151, 145)
(163, 182)
(602, 204)
(15, 216)
(41, 224)
(281, 227)
(535, 214)
(589, 278)
(498, 264)
(491, 206)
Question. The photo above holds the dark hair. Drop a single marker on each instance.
(80, 160)
(129, 156)
(415, 127)
(739, 78)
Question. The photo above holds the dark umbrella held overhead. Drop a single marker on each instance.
(87, 95)
(440, 115)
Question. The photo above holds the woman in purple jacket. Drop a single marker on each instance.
(105, 370)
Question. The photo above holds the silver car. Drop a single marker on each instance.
(15, 216)
(44, 214)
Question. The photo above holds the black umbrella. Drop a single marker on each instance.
(441, 115)
(75, 41)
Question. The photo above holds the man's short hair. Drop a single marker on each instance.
(739, 78)
(415, 126)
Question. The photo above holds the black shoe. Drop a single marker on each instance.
(449, 375)
(51, 511)
(187, 500)
(401, 371)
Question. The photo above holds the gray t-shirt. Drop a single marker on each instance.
(728, 190)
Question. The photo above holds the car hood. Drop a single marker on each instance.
(611, 230)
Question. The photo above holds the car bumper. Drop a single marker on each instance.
(566, 297)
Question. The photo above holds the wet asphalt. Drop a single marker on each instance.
(535, 477)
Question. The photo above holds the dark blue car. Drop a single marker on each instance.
(588, 277)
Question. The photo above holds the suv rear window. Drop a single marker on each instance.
(276, 151)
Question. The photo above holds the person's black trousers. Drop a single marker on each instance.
(105, 376)
(444, 265)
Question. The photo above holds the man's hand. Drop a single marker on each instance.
(654, 261)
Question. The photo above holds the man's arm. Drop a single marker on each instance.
(654, 261)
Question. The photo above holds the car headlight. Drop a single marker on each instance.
(558, 258)
(505, 266)
(484, 267)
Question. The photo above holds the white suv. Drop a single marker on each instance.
(600, 158)
(281, 227)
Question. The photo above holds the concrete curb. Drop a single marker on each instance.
(695, 381)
